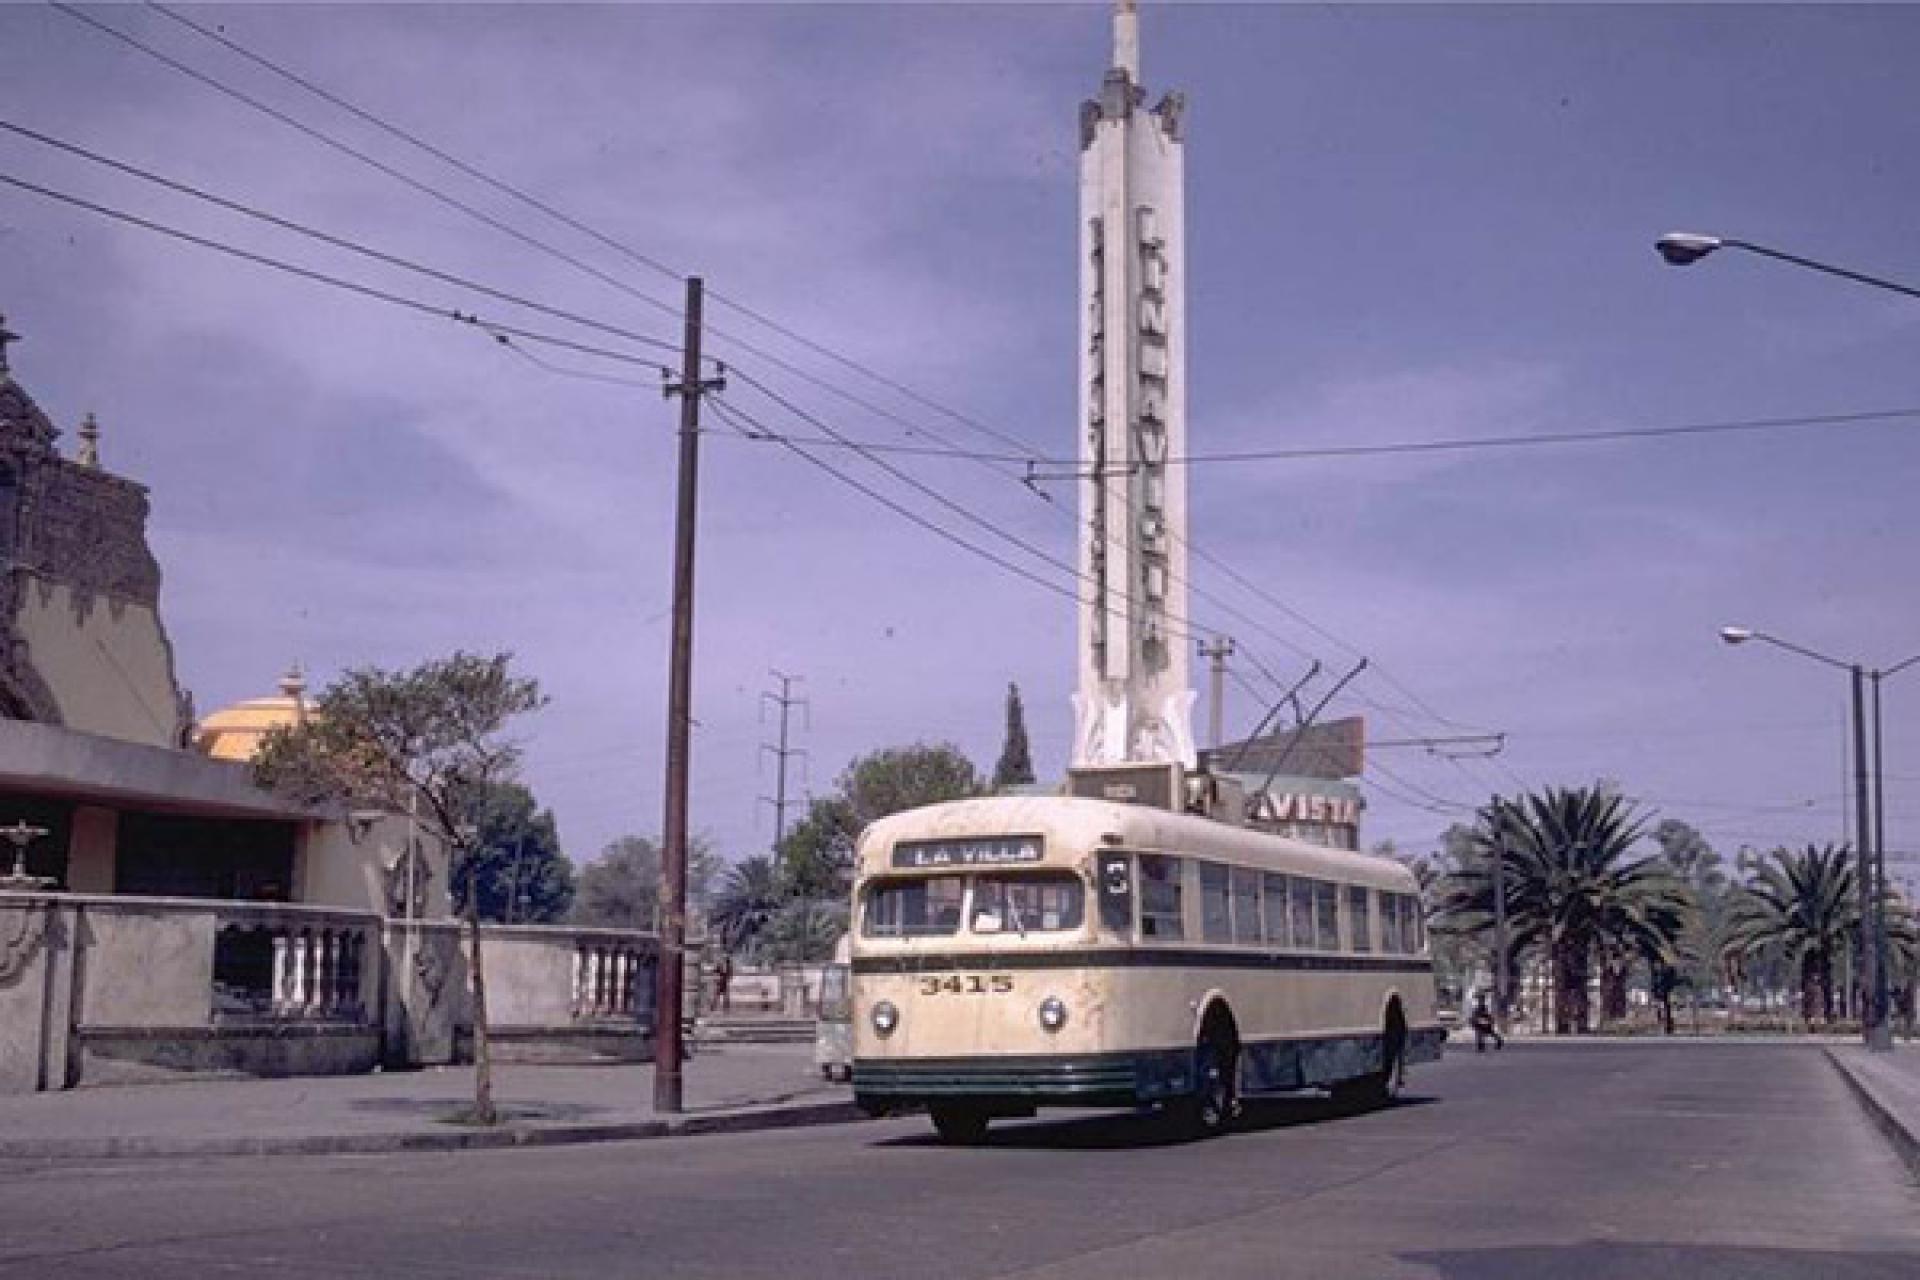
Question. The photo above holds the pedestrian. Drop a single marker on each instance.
(1481, 1020)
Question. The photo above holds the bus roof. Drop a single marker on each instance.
(1075, 823)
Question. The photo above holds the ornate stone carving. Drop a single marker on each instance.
(396, 883)
(432, 964)
(61, 523)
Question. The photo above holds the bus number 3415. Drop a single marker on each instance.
(972, 985)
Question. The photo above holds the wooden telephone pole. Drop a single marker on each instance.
(670, 974)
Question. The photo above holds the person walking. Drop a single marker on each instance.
(1481, 1020)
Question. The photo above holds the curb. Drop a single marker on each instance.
(1906, 1143)
(448, 1139)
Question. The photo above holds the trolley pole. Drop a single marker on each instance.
(670, 975)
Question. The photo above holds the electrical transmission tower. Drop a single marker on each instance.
(785, 701)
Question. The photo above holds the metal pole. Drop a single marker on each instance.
(1880, 1026)
(1500, 993)
(1219, 651)
(1863, 823)
(669, 979)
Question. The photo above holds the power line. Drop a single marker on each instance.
(487, 219)
(328, 238)
(585, 228)
(1181, 626)
(1549, 438)
(746, 424)
(497, 224)
(494, 327)
(373, 162)
(1869, 417)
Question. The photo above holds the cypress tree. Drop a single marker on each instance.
(1016, 761)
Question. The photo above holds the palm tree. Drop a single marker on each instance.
(748, 898)
(1574, 891)
(1804, 906)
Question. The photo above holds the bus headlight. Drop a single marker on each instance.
(885, 1017)
(1053, 1013)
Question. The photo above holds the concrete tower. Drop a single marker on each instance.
(1133, 704)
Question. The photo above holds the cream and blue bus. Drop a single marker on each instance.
(1011, 953)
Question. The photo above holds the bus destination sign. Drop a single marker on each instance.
(993, 851)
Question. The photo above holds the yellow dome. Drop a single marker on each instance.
(235, 732)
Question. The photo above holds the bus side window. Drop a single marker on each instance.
(1216, 920)
(1302, 891)
(1246, 906)
(1276, 909)
(1160, 901)
(1359, 918)
(1116, 893)
(1326, 915)
(1391, 920)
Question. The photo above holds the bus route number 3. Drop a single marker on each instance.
(973, 984)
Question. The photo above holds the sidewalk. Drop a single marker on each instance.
(1888, 1088)
(731, 1088)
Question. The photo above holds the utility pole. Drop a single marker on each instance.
(1219, 651)
(1500, 993)
(669, 977)
(786, 702)
(1871, 975)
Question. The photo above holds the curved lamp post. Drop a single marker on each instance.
(1877, 1030)
(1684, 248)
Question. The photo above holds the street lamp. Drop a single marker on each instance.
(1684, 248)
(1875, 1027)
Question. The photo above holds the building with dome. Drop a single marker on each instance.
(160, 914)
(236, 732)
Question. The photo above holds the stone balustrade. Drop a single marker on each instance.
(283, 962)
(608, 979)
(98, 988)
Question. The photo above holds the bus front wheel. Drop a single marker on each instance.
(1210, 1109)
(959, 1126)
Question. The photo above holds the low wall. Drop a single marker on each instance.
(98, 989)
(791, 991)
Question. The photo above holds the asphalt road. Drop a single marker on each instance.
(1589, 1161)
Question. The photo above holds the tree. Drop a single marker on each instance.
(621, 888)
(1690, 856)
(803, 931)
(1803, 904)
(816, 857)
(1015, 766)
(515, 864)
(749, 897)
(1573, 890)
(431, 740)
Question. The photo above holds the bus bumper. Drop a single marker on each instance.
(881, 1085)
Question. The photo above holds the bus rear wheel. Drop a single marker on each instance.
(1381, 1088)
(959, 1126)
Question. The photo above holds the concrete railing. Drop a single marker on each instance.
(294, 962)
(97, 988)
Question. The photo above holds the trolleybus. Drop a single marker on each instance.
(1011, 953)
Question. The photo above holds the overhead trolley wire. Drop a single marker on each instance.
(326, 139)
(504, 228)
(328, 238)
(566, 219)
(337, 282)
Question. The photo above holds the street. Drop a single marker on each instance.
(1593, 1160)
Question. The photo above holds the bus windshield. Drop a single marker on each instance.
(928, 908)
(1026, 903)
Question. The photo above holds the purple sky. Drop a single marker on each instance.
(1405, 224)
